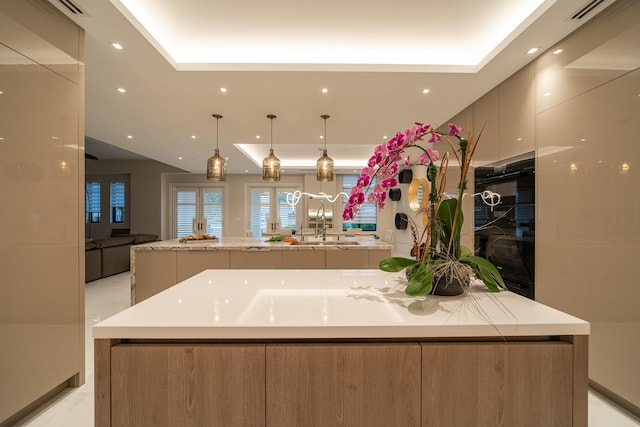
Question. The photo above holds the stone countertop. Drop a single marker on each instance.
(261, 243)
(328, 304)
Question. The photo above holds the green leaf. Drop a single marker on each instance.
(487, 272)
(420, 279)
(394, 264)
(446, 213)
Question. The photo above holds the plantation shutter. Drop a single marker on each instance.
(260, 210)
(92, 201)
(366, 217)
(117, 201)
(185, 212)
(212, 211)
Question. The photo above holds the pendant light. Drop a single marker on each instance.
(324, 165)
(271, 164)
(216, 165)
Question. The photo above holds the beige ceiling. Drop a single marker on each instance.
(375, 59)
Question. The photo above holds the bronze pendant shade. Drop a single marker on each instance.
(271, 164)
(216, 166)
(324, 165)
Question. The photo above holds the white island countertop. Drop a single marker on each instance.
(326, 304)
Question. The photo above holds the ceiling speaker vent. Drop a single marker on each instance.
(73, 8)
(586, 9)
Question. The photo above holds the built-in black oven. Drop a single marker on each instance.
(505, 233)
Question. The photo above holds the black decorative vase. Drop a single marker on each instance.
(447, 286)
(444, 286)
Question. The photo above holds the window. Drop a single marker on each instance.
(117, 202)
(198, 210)
(367, 216)
(92, 201)
(270, 210)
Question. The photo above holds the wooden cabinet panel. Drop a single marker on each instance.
(343, 385)
(255, 259)
(338, 259)
(190, 263)
(494, 384)
(177, 385)
(303, 259)
(154, 271)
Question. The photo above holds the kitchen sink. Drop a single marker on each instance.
(326, 243)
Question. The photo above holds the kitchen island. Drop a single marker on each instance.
(159, 265)
(337, 347)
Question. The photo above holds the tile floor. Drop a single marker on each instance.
(105, 297)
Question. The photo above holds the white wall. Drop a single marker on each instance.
(145, 187)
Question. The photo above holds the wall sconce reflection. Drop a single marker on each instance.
(624, 168)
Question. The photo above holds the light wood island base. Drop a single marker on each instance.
(540, 381)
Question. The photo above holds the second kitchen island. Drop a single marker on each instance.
(159, 265)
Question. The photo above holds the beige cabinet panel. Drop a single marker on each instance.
(190, 263)
(154, 271)
(343, 385)
(376, 255)
(338, 259)
(486, 112)
(255, 259)
(175, 385)
(42, 320)
(517, 113)
(303, 259)
(495, 384)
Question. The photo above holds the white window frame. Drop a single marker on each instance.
(173, 191)
(247, 199)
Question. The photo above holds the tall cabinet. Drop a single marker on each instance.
(41, 183)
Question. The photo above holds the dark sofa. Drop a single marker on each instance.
(106, 257)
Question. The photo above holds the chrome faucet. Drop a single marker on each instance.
(324, 223)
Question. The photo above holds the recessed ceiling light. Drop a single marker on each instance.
(193, 137)
(385, 137)
(246, 171)
(223, 89)
(54, 137)
(1, 138)
(117, 46)
(129, 136)
(321, 136)
(425, 91)
(121, 90)
(180, 158)
(583, 139)
(1, 92)
(547, 94)
(518, 139)
(557, 51)
(325, 90)
(257, 136)
(532, 50)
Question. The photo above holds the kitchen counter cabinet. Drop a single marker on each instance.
(255, 259)
(343, 385)
(468, 384)
(156, 271)
(189, 263)
(173, 385)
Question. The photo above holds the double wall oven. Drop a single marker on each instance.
(505, 233)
